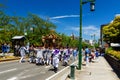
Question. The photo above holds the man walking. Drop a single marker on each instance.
(22, 51)
(56, 59)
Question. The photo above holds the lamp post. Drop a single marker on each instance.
(92, 8)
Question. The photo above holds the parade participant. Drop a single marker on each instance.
(61, 54)
(28, 47)
(67, 53)
(48, 58)
(56, 59)
(39, 56)
(71, 52)
(52, 54)
(65, 60)
(75, 52)
(45, 55)
(31, 54)
(22, 51)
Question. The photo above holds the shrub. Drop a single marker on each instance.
(114, 53)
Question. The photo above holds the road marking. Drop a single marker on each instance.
(23, 77)
(19, 75)
(8, 70)
(22, 73)
(27, 76)
(13, 78)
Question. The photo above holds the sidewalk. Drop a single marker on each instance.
(100, 70)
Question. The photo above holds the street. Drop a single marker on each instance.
(25, 71)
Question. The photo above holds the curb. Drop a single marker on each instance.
(9, 59)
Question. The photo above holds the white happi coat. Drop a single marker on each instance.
(22, 51)
(56, 60)
(39, 53)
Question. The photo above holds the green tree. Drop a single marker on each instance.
(40, 27)
(4, 27)
(111, 32)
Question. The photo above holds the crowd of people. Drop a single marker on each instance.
(48, 56)
(52, 56)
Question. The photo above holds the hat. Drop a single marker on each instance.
(56, 51)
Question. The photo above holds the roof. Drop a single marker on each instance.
(18, 37)
(115, 44)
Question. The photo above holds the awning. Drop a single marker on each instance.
(115, 44)
(18, 37)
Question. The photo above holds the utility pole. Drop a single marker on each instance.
(92, 8)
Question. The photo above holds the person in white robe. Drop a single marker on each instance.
(22, 51)
(56, 60)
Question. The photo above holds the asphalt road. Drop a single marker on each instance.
(25, 71)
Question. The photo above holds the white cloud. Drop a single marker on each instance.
(86, 31)
(64, 16)
(90, 27)
(55, 21)
(90, 30)
(72, 28)
(117, 15)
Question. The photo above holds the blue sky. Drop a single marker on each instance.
(65, 14)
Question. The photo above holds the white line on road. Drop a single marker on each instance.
(27, 76)
(13, 78)
(22, 73)
(18, 76)
(23, 77)
(8, 70)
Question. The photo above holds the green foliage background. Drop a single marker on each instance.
(11, 26)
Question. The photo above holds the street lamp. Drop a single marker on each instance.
(92, 8)
(92, 5)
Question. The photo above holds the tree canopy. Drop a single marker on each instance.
(111, 31)
(32, 26)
